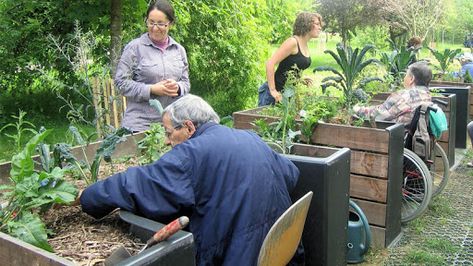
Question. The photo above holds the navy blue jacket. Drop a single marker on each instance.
(230, 183)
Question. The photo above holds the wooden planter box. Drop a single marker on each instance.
(178, 249)
(462, 111)
(128, 147)
(326, 172)
(447, 140)
(439, 83)
(375, 171)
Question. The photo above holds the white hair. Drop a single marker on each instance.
(193, 108)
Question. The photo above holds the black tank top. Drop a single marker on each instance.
(287, 65)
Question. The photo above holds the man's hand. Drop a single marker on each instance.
(77, 201)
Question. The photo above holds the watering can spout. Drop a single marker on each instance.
(359, 234)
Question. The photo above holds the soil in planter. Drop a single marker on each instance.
(78, 237)
(84, 240)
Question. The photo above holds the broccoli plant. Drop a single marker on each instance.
(351, 63)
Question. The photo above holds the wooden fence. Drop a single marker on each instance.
(109, 105)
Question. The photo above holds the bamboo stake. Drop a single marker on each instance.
(95, 95)
(114, 103)
(106, 102)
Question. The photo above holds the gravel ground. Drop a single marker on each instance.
(441, 236)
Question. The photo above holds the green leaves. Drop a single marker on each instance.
(21, 164)
(30, 229)
(30, 191)
(351, 63)
(152, 146)
(444, 58)
(396, 64)
(156, 105)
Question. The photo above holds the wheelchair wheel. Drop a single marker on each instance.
(439, 169)
(416, 187)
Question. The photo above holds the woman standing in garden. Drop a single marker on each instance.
(153, 66)
(293, 52)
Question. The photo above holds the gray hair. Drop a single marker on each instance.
(421, 73)
(193, 108)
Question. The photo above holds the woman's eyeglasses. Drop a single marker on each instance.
(157, 24)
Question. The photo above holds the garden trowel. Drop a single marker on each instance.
(162, 234)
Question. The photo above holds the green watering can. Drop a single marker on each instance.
(359, 234)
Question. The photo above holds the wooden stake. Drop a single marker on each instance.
(95, 96)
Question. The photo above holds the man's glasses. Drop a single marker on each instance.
(157, 24)
(168, 134)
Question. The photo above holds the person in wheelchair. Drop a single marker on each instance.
(400, 105)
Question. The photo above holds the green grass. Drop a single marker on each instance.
(440, 207)
(418, 225)
(59, 134)
(423, 257)
(441, 245)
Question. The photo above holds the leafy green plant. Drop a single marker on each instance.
(89, 171)
(444, 58)
(152, 146)
(29, 192)
(281, 134)
(20, 127)
(396, 64)
(351, 63)
(316, 109)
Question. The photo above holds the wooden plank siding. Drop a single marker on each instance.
(375, 179)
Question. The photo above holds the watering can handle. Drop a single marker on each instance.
(365, 224)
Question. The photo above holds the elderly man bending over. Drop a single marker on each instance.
(229, 182)
(399, 106)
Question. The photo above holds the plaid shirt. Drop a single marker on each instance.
(399, 106)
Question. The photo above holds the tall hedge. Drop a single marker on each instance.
(227, 44)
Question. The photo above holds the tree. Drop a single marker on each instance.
(464, 16)
(345, 16)
(115, 33)
(417, 17)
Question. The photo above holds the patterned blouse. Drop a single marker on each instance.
(399, 106)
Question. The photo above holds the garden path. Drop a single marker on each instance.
(444, 234)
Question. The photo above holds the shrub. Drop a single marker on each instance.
(374, 35)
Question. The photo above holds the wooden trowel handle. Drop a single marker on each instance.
(168, 230)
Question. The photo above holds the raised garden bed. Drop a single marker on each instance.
(463, 109)
(375, 171)
(325, 171)
(438, 83)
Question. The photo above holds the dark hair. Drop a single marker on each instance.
(163, 6)
(305, 23)
(421, 72)
(414, 41)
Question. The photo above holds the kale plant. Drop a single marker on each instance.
(351, 63)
